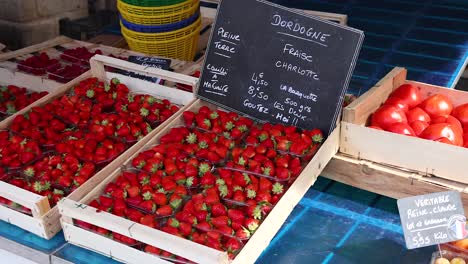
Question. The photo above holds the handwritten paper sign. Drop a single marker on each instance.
(432, 219)
(279, 65)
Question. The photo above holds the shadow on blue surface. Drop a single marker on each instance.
(21, 236)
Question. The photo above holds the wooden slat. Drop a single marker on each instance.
(456, 96)
(38, 204)
(359, 111)
(147, 71)
(422, 156)
(334, 17)
(28, 223)
(107, 247)
(387, 181)
(179, 246)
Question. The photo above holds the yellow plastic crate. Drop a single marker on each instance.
(157, 15)
(176, 34)
(183, 48)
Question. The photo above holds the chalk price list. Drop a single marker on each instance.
(427, 220)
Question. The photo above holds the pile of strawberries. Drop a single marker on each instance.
(71, 64)
(79, 55)
(66, 73)
(211, 181)
(14, 98)
(38, 64)
(53, 149)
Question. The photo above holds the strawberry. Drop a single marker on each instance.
(218, 209)
(233, 245)
(243, 234)
(165, 210)
(236, 215)
(251, 224)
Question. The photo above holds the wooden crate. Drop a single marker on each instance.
(45, 220)
(70, 210)
(8, 61)
(335, 17)
(387, 180)
(418, 156)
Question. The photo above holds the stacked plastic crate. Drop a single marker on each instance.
(167, 28)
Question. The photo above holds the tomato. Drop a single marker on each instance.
(418, 126)
(395, 101)
(441, 130)
(387, 115)
(461, 113)
(465, 140)
(409, 93)
(463, 244)
(375, 127)
(444, 140)
(448, 119)
(417, 114)
(401, 128)
(437, 105)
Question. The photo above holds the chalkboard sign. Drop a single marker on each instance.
(148, 62)
(432, 219)
(279, 65)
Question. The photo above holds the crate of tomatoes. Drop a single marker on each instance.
(212, 187)
(417, 127)
(69, 141)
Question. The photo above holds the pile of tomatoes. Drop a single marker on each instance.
(434, 118)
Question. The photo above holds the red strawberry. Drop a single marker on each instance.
(165, 210)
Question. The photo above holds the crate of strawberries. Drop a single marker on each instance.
(211, 187)
(56, 148)
(414, 126)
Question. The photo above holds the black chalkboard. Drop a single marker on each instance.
(433, 218)
(279, 65)
(148, 62)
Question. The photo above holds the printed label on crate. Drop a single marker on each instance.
(158, 63)
(279, 65)
(432, 219)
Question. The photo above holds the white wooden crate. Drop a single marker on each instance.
(70, 210)
(45, 220)
(414, 155)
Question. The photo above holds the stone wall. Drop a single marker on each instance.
(27, 22)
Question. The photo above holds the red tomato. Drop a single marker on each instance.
(401, 128)
(417, 114)
(461, 113)
(375, 127)
(444, 140)
(409, 93)
(441, 130)
(437, 105)
(448, 119)
(418, 126)
(465, 140)
(387, 115)
(395, 101)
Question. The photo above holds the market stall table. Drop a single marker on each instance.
(336, 223)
